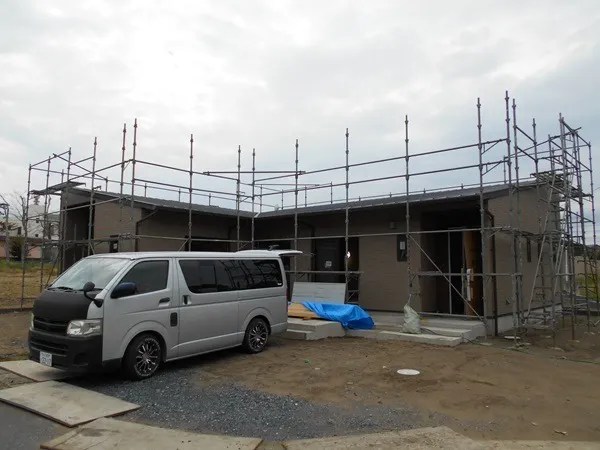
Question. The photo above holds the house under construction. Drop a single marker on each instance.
(501, 249)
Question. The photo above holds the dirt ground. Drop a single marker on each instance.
(533, 395)
(522, 396)
(13, 335)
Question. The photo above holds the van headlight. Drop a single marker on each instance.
(84, 327)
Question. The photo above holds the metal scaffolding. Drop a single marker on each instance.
(559, 169)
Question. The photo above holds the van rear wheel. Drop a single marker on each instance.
(257, 335)
(143, 357)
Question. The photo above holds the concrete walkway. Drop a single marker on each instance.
(105, 434)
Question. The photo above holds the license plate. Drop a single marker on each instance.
(46, 358)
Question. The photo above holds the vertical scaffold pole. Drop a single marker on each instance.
(519, 230)
(347, 217)
(237, 196)
(253, 197)
(190, 194)
(91, 211)
(121, 188)
(295, 260)
(407, 231)
(132, 204)
(66, 215)
(482, 218)
(45, 226)
(25, 223)
(513, 300)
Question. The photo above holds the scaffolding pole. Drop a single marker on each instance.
(237, 195)
(133, 180)
(190, 193)
(482, 219)
(24, 249)
(44, 225)
(294, 260)
(91, 212)
(252, 225)
(121, 203)
(407, 231)
(347, 219)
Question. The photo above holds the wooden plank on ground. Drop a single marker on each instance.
(298, 310)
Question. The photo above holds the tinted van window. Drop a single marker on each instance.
(254, 274)
(199, 275)
(202, 276)
(149, 276)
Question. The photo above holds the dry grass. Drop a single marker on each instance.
(12, 281)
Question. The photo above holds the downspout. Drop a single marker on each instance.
(494, 270)
(137, 226)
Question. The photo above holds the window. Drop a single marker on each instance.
(202, 276)
(254, 274)
(266, 273)
(401, 254)
(528, 244)
(149, 276)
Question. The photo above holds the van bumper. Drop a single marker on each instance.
(72, 354)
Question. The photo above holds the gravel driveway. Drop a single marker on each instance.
(181, 395)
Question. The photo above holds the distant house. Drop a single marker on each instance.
(42, 233)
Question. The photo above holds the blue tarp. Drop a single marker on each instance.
(350, 316)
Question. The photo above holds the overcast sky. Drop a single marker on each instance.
(263, 73)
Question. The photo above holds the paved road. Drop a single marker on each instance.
(22, 430)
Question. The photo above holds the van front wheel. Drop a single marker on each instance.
(257, 334)
(143, 357)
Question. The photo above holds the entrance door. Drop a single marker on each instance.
(329, 258)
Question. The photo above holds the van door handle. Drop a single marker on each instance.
(164, 300)
(186, 299)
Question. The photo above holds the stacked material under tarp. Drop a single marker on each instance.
(349, 316)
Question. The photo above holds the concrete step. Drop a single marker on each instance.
(311, 325)
(450, 332)
(318, 329)
(296, 334)
(423, 338)
(453, 323)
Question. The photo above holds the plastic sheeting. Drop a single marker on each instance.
(350, 316)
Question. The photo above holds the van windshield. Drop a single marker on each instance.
(97, 270)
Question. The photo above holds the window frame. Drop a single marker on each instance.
(146, 261)
(220, 288)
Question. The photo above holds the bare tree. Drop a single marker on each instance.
(17, 204)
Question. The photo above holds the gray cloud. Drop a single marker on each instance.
(262, 74)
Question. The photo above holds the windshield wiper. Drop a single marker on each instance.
(61, 288)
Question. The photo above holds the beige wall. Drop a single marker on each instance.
(532, 272)
(383, 281)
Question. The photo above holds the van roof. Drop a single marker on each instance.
(185, 254)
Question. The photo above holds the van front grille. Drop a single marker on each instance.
(50, 347)
(50, 326)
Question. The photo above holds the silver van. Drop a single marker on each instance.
(135, 311)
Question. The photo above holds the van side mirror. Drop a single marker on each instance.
(89, 287)
(124, 289)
